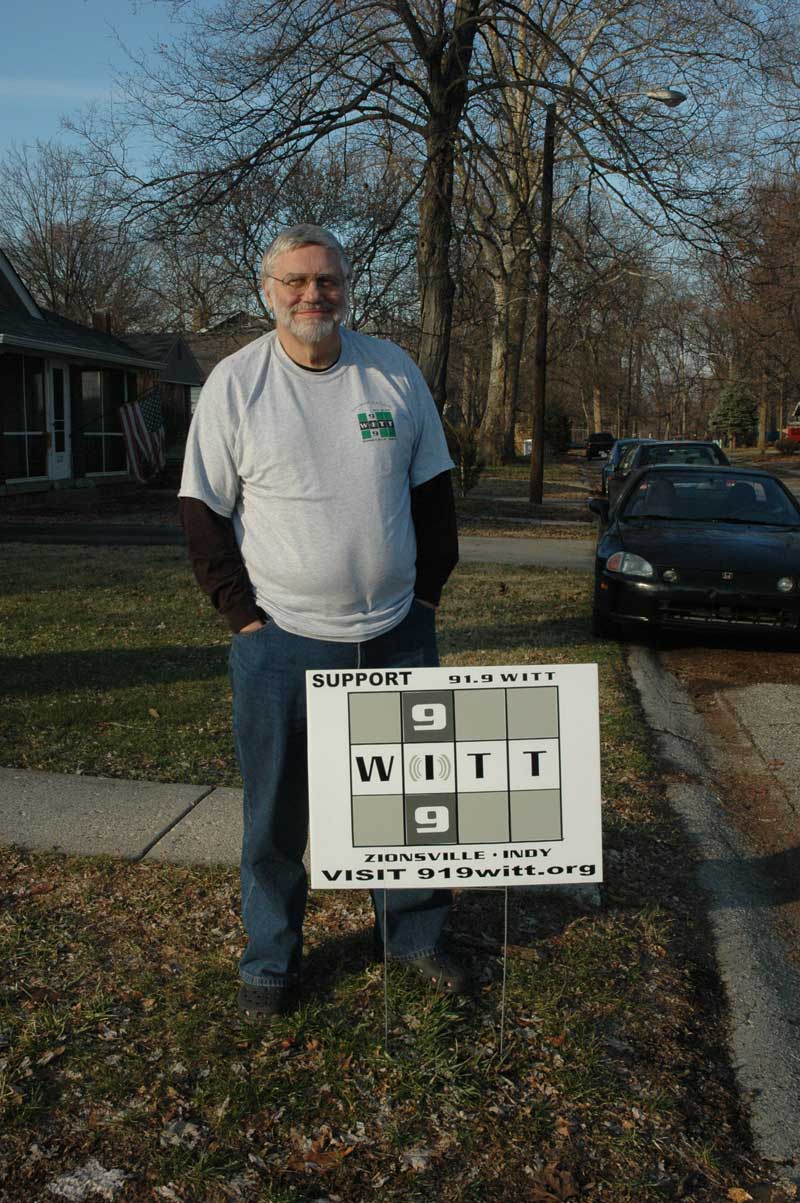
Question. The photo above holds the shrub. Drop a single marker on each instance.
(787, 446)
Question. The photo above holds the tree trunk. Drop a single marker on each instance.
(508, 333)
(493, 423)
(538, 407)
(597, 409)
(762, 416)
(447, 59)
(436, 286)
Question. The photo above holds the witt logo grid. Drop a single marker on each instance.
(377, 424)
(466, 766)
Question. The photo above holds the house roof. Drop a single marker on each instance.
(26, 325)
(240, 320)
(58, 335)
(214, 343)
(174, 354)
(13, 293)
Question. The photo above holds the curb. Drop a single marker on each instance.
(761, 984)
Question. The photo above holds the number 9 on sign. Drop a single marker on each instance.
(431, 819)
(429, 717)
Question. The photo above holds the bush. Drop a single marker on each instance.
(462, 440)
(787, 446)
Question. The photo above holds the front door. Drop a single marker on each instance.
(59, 459)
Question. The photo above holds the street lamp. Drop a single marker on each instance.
(671, 98)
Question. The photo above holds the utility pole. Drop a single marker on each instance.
(671, 98)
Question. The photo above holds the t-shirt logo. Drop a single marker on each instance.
(377, 425)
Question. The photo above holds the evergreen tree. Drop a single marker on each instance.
(735, 412)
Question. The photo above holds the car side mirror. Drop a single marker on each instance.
(599, 506)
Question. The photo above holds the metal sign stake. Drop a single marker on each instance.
(385, 975)
(505, 964)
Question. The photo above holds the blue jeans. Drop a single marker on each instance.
(267, 670)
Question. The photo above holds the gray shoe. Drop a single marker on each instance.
(262, 1004)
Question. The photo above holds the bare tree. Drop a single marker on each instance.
(66, 239)
(595, 66)
(255, 87)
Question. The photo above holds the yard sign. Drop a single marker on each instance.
(454, 776)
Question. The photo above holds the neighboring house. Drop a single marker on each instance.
(216, 342)
(179, 377)
(61, 387)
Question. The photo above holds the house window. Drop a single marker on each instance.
(24, 417)
(103, 393)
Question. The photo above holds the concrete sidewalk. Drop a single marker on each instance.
(577, 553)
(136, 820)
(202, 824)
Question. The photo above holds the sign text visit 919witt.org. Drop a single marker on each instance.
(475, 776)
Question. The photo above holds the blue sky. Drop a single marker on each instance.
(58, 56)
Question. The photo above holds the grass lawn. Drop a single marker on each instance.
(498, 505)
(120, 1046)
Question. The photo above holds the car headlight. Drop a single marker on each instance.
(786, 584)
(629, 564)
(671, 575)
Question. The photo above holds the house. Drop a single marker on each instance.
(61, 388)
(222, 338)
(179, 378)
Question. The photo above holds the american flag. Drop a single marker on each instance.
(143, 427)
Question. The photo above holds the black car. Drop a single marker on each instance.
(704, 548)
(599, 444)
(614, 457)
(652, 451)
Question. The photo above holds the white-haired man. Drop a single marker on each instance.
(318, 510)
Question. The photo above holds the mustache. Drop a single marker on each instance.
(322, 308)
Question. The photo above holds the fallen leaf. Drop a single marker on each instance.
(770, 1192)
(51, 1055)
(416, 1159)
(319, 1159)
(553, 1185)
(90, 1179)
(737, 1195)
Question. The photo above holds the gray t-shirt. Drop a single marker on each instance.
(315, 470)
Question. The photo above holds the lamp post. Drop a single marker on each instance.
(671, 98)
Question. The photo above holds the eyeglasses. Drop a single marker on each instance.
(300, 283)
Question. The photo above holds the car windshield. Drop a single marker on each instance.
(707, 497)
(682, 453)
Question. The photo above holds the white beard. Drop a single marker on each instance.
(311, 330)
(308, 329)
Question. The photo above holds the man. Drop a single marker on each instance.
(318, 510)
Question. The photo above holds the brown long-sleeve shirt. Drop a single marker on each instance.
(220, 571)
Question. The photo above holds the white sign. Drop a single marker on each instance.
(454, 776)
